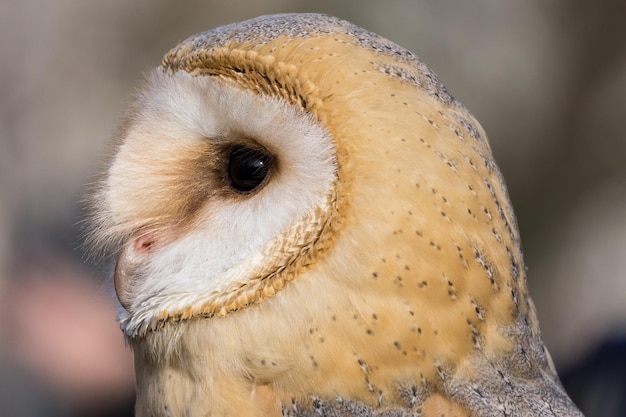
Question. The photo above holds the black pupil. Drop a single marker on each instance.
(248, 168)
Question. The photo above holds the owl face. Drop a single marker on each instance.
(303, 212)
(205, 188)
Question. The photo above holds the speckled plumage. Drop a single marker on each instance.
(399, 290)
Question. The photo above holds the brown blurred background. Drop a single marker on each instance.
(547, 79)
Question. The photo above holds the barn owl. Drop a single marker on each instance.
(310, 224)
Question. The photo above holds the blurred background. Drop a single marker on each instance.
(547, 79)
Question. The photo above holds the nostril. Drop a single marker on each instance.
(145, 243)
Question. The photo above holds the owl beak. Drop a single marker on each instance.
(131, 258)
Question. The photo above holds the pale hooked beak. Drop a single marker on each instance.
(131, 257)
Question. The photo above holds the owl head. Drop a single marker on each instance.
(303, 210)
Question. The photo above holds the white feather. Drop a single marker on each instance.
(226, 248)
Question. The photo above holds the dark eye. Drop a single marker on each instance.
(248, 168)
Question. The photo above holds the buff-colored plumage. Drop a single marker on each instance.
(377, 271)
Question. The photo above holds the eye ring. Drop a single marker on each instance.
(248, 168)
